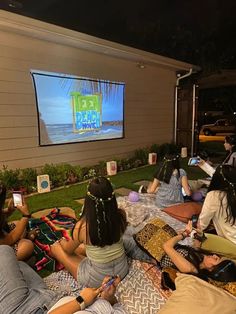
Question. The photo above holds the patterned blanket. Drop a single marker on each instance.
(52, 227)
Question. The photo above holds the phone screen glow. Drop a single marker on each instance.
(17, 199)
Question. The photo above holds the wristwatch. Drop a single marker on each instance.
(81, 302)
(26, 216)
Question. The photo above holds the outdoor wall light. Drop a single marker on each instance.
(141, 65)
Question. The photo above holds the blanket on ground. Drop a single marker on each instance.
(52, 228)
(139, 292)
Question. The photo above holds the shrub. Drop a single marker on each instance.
(68, 173)
(78, 172)
(101, 168)
(84, 172)
(119, 164)
(28, 178)
(142, 155)
(154, 148)
(55, 174)
(10, 178)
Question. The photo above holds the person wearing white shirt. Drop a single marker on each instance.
(220, 203)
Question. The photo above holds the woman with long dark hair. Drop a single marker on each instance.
(220, 203)
(196, 261)
(168, 182)
(100, 230)
(230, 147)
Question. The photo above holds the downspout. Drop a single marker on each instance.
(179, 77)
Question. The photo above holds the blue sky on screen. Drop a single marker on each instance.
(54, 100)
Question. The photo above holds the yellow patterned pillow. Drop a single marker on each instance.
(152, 237)
(230, 286)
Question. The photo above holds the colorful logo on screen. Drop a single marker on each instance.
(86, 112)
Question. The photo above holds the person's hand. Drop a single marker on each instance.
(109, 292)
(89, 295)
(189, 227)
(197, 244)
(24, 208)
(201, 162)
(55, 249)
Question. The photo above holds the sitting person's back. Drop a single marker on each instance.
(168, 182)
(171, 193)
(100, 230)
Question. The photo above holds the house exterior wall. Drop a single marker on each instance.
(149, 93)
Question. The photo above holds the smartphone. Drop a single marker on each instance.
(17, 198)
(194, 161)
(108, 284)
(194, 221)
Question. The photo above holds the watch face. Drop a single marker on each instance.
(80, 299)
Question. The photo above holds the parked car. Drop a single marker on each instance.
(220, 126)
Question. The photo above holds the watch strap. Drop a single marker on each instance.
(27, 216)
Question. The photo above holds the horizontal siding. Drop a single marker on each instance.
(149, 102)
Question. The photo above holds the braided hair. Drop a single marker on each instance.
(166, 168)
(105, 222)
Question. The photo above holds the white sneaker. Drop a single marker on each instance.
(142, 189)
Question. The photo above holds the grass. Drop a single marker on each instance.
(67, 196)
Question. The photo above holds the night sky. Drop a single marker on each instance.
(201, 32)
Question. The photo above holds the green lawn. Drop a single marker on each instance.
(67, 196)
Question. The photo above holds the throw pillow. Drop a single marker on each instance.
(184, 211)
(229, 286)
(193, 295)
(152, 237)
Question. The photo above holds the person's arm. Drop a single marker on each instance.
(185, 185)
(153, 186)
(210, 206)
(184, 182)
(88, 295)
(14, 235)
(180, 262)
(70, 245)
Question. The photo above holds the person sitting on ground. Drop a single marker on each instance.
(13, 234)
(23, 291)
(220, 203)
(196, 261)
(168, 182)
(230, 147)
(100, 230)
